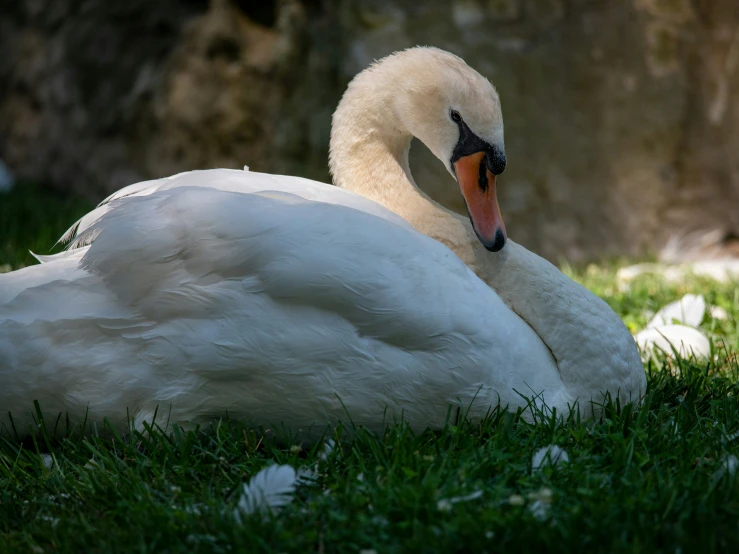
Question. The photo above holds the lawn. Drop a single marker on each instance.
(659, 478)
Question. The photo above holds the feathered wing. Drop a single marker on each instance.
(295, 252)
(266, 306)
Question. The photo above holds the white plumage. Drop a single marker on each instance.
(265, 306)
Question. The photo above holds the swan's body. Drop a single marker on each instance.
(286, 301)
(245, 319)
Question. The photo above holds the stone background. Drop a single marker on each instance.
(622, 116)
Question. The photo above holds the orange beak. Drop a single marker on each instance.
(478, 188)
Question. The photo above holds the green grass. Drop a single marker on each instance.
(33, 218)
(637, 481)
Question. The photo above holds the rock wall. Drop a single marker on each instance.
(622, 120)
(95, 95)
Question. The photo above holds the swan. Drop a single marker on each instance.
(285, 301)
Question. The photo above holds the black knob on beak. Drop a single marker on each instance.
(496, 160)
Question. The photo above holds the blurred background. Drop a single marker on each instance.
(622, 116)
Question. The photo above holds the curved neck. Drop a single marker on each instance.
(369, 156)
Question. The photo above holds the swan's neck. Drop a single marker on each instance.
(369, 156)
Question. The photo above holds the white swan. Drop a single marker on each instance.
(290, 302)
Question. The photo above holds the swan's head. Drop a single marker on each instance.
(436, 97)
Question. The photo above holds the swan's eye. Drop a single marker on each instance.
(454, 114)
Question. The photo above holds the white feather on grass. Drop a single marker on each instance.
(268, 491)
(687, 341)
(445, 504)
(328, 448)
(306, 475)
(47, 460)
(551, 455)
(674, 329)
(274, 486)
(542, 503)
(727, 467)
(689, 310)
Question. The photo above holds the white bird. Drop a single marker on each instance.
(289, 302)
